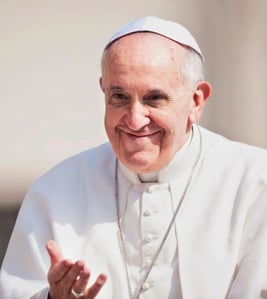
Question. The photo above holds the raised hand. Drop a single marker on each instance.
(68, 279)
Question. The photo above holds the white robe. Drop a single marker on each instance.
(216, 250)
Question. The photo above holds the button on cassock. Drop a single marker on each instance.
(147, 263)
(146, 286)
(147, 213)
(150, 237)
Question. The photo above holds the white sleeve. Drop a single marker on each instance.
(251, 273)
(41, 295)
(25, 266)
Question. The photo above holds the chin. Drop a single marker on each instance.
(140, 163)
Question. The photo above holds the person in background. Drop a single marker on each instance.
(166, 209)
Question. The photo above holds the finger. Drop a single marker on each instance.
(54, 252)
(55, 277)
(96, 287)
(73, 275)
(81, 283)
(59, 271)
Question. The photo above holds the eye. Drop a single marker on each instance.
(119, 96)
(156, 99)
(118, 99)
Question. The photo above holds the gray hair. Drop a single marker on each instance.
(193, 67)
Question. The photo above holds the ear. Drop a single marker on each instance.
(101, 83)
(200, 97)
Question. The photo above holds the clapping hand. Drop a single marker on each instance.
(68, 279)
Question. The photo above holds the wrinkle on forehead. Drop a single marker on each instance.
(144, 46)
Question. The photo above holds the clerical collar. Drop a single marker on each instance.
(148, 177)
(181, 162)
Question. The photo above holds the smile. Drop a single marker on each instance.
(141, 136)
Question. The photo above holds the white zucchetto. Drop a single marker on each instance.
(169, 29)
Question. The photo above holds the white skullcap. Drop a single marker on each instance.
(169, 29)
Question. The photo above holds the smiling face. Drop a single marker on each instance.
(150, 108)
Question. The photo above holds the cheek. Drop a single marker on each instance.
(169, 121)
(111, 120)
(107, 122)
(175, 128)
(108, 127)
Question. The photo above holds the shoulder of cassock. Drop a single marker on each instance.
(247, 160)
(96, 164)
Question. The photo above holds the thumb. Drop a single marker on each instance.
(54, 252)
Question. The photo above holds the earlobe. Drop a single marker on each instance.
(200, 97)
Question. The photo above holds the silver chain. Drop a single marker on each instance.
(120, 230)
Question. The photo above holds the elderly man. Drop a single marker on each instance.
(166, 210)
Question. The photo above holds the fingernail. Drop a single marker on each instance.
(102, 279)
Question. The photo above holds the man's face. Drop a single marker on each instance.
(148, 102)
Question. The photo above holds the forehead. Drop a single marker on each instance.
(144, 60)
(142, 47)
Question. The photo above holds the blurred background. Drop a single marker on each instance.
(51, 103)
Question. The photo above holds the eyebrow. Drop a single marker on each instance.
(156, 90)
(150, 91)
(114, 87)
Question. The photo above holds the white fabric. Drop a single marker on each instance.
(221, 230)
(169, 29)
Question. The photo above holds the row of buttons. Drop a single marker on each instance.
(149, 249)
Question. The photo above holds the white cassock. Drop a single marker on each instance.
(217, 248)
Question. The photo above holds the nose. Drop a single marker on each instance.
(137, 116)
